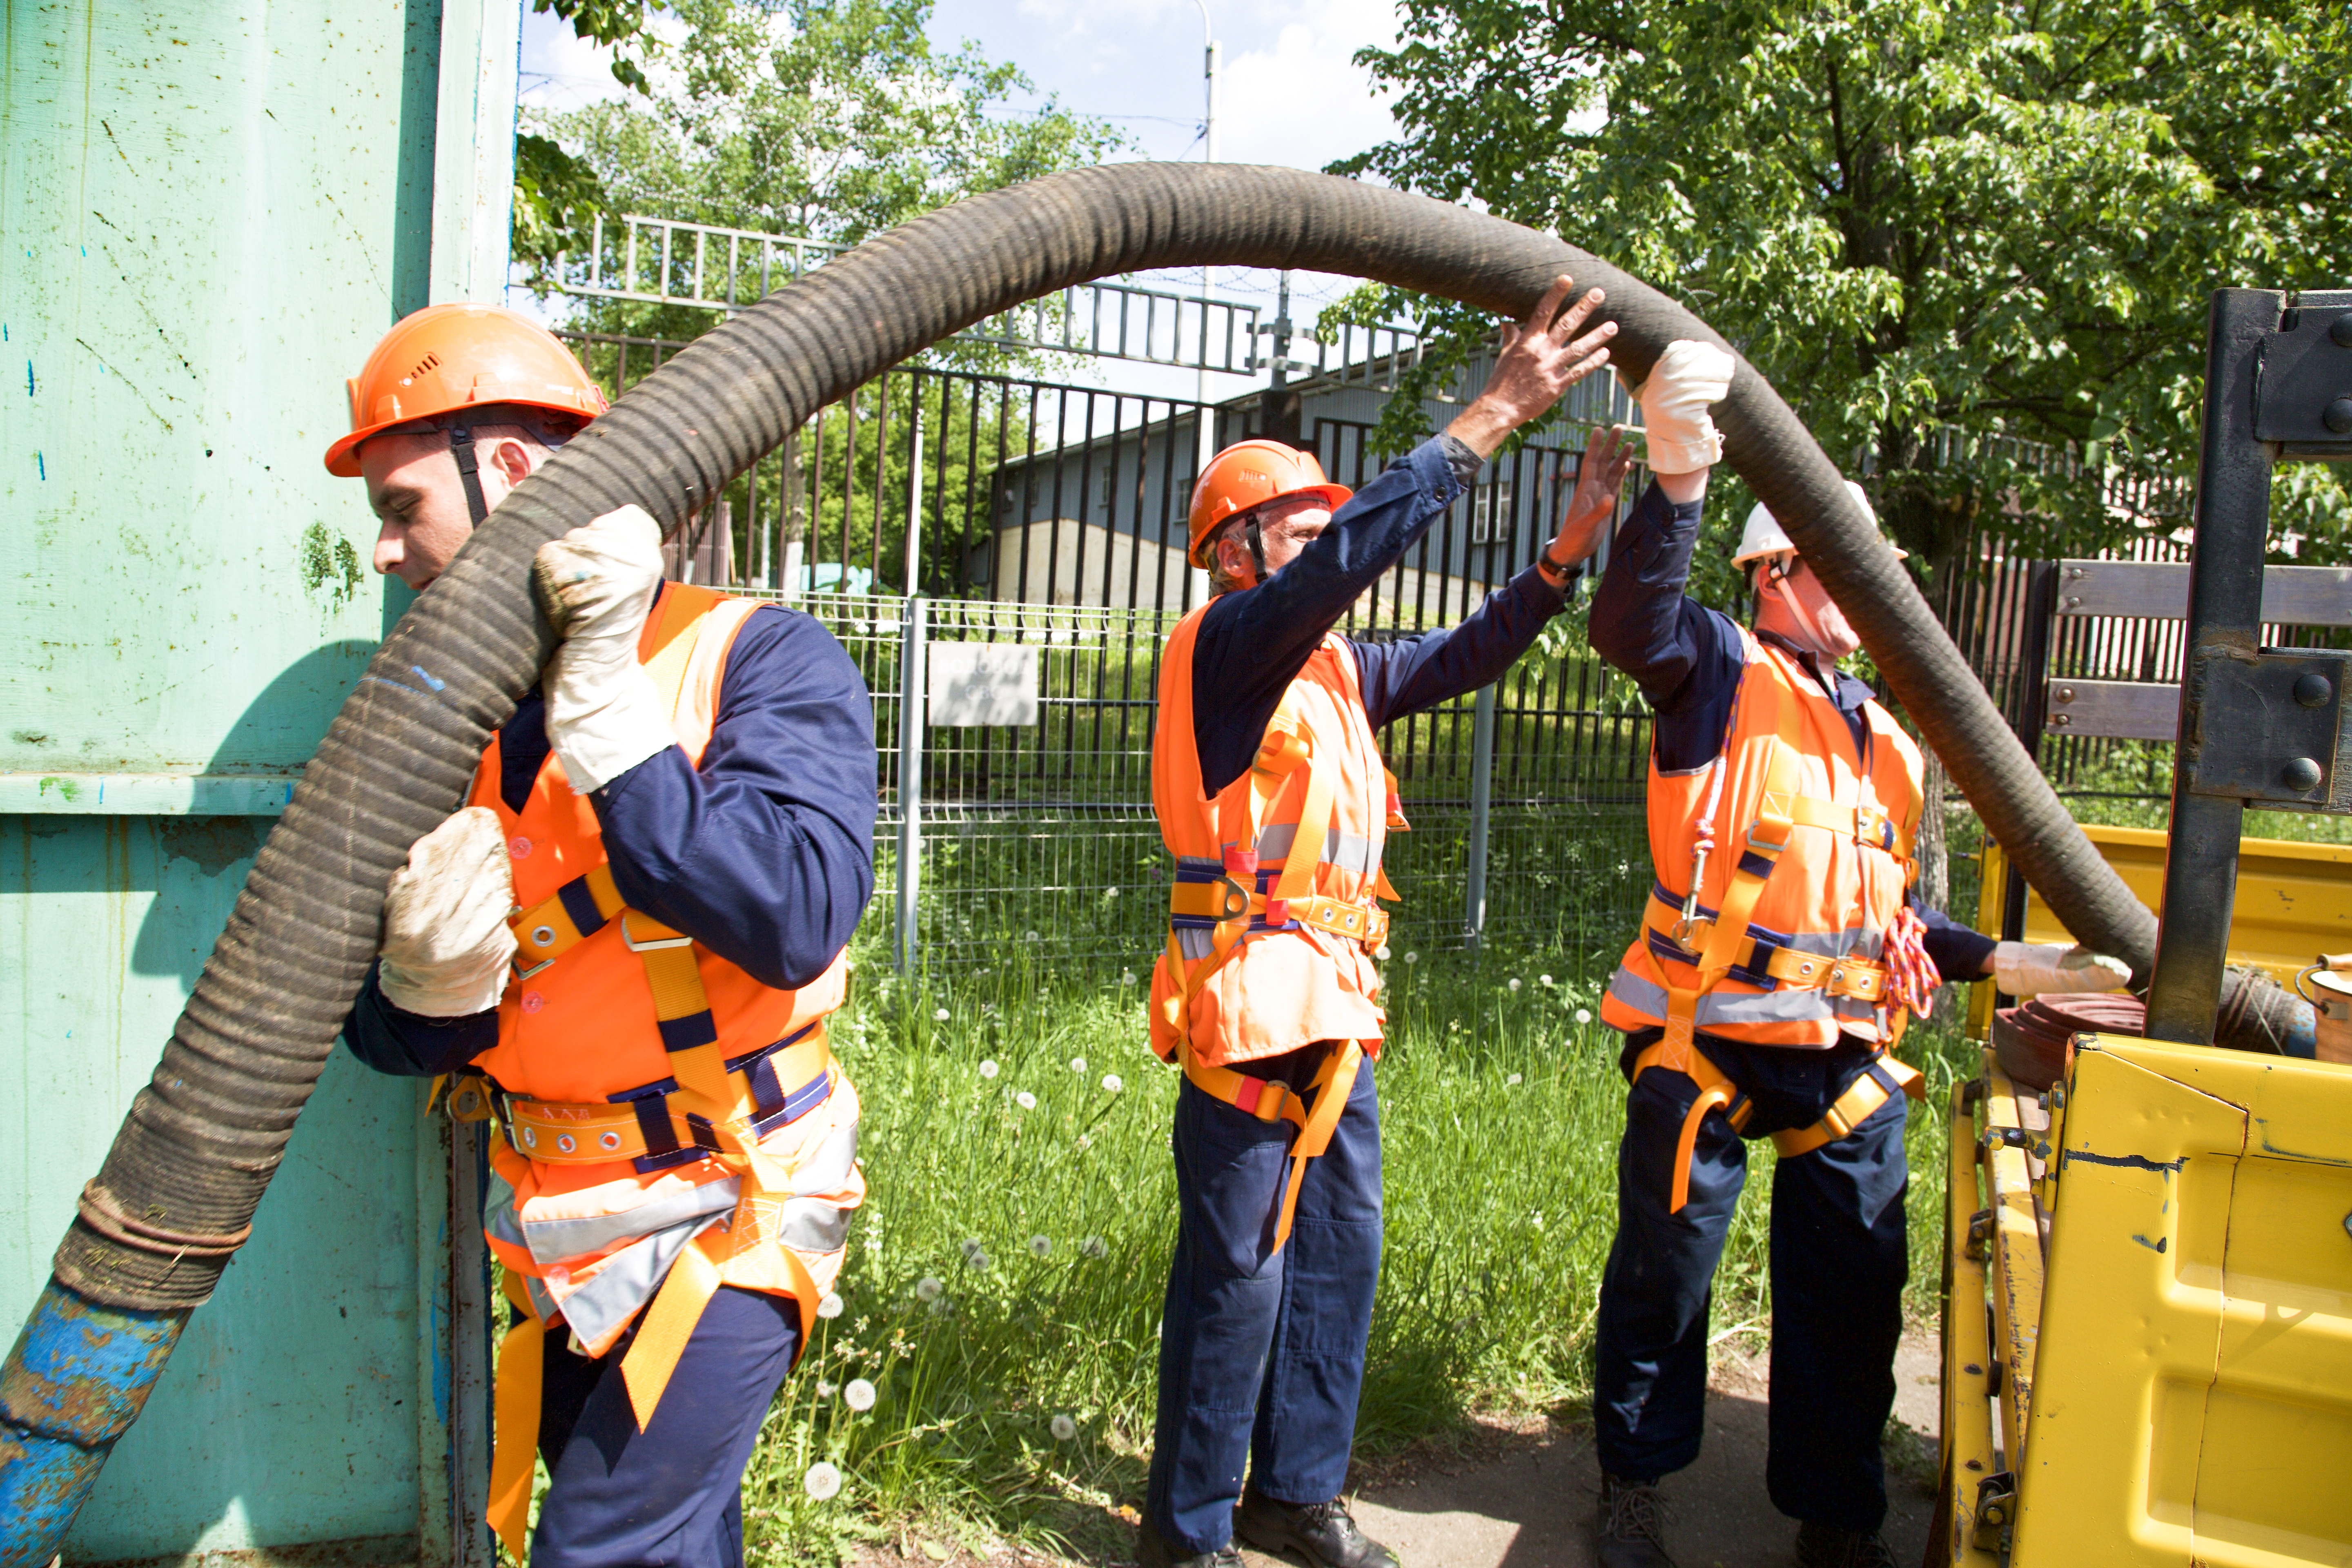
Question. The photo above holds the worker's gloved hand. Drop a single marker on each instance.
(445, 941)
(595, 584)
(1688, 378)
(2032, 968)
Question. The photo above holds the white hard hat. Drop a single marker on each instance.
(1764, 535)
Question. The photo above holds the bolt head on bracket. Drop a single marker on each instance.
(2269, 728)
(2304, 389)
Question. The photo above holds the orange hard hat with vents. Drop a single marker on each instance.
(1248, 475)
(447, 358)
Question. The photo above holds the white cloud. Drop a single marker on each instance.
(1302, 101)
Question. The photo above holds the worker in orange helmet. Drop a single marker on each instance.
(1271, 794)
(623, 950)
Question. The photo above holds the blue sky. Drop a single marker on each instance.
(1288, 94)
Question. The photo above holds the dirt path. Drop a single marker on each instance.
(1513, 1498)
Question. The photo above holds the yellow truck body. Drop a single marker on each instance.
(2148, 1329)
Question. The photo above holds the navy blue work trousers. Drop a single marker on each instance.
(1838, 1261)
(671, 1496)
(1262, 1353)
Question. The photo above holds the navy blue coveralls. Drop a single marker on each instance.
(1262, 1354)
(764, 856)
(1838, 1249)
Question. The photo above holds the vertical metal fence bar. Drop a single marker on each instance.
(1482, 791)
(910, 780)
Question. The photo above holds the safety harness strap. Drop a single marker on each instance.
(1880, 1080)
(515, 1430)
(1315, 1116)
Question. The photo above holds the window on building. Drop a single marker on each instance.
(1491, 514)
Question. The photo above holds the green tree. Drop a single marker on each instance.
(1932, 224)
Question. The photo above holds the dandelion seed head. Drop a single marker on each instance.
(1095, 1246)
(1584, 1014)
(1543, 980)
(822, 1481)
(1411, 957)
(988, 1069)
(1512, 1081)
(831, 1306)
(1025, 1100)
(1515, 983)
(1079, 1065)
(1064, 1428)
(1381, 952)
(824, 1391)
(1127, 977)
(1039, 1246)
(977, 1260)
(1113, 1083)
(939, 1015)
(859, 1394)
(928, 1288)
(970, 1244)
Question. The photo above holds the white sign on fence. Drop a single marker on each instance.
(983, 683)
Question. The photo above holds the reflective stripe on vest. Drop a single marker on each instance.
(1809, 851)
(1267, 953)
(731, 1133)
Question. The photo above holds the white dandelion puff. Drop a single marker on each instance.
(1064, 1428)
(1025, 1100)
(824, 1391)
(822, 1481)
(1079, 1065)
(939, 1015)
(1039, 1246)
(970, 1244)
(988, 1069)
(1381, 952)
(1113, 1083)
(1543, 980)
(1515, 983)
(977, 1260)
(831, 1306)
(1411, 957)
(1095, 1246)
(1127, 977)
(1584, 1014)
(1032, 936)
(1512, 1082)
(928, 1288)
(859, 1394)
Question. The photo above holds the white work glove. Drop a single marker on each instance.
(2034, 968)
(1688, 377)
(596, 583)
(445, 941)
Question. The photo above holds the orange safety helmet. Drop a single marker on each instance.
(445, 358)
(1249, 474)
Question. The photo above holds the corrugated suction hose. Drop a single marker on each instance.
(180, 1185)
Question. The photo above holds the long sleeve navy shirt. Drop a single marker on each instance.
(1688, 661)
(1252, 642)
(765, 855)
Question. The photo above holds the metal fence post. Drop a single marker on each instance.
(1482, 797)
(911, 778)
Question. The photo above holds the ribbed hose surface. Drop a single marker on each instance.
(202, 1140)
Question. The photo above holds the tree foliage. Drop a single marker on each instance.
(1939, 227)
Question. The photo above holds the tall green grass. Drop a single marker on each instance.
(1009, 1265)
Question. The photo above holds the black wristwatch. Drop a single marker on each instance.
(1566, 571)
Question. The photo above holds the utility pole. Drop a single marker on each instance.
(1277, 408)
(1205, 420)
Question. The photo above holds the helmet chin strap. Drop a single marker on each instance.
(461, 448)
(1809, 630)
(1256, 543)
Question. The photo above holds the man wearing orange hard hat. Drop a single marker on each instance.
(623, 950)
(1267, 781)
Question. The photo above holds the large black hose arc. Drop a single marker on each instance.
(201, 1142)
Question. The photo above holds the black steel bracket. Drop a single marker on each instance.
(2303, 379)
(2270, 727)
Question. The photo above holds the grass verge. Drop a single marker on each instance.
(1002, 1293)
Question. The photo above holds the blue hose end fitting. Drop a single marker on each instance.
(75, 1381)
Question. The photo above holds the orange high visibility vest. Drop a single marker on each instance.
(1272, 924)
(1802, 852)
(666, 1123)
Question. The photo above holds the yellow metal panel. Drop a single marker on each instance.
(2130, 1318)
(2193, 1402)
(2295, 900)
(2015, 1252)
(1968, 1456)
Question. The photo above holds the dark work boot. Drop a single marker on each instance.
(1819, 1546)
(1629, 1529)
(1322, 1533)
(1153, 1549)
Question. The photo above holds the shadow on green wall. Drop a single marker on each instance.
(304, 698)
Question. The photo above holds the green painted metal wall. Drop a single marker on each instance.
(207, 214)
